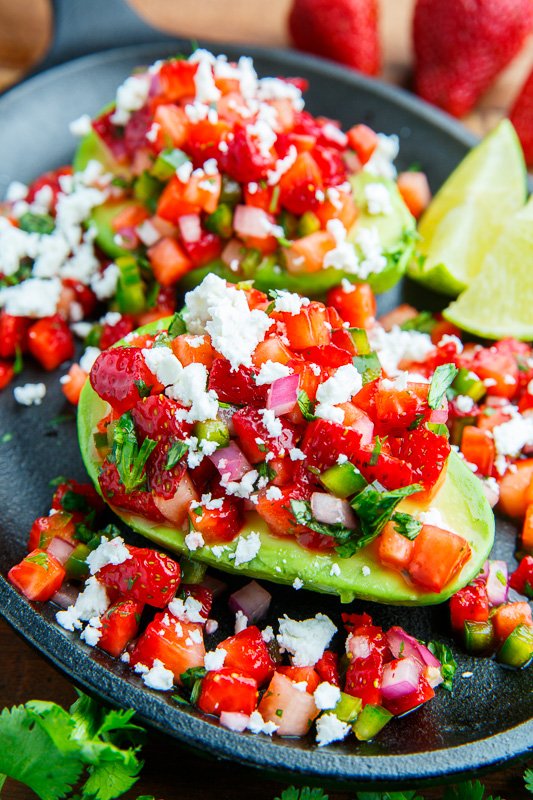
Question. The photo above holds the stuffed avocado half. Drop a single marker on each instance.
(443, 499)
(249, 185)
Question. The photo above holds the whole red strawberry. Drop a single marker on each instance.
(522, 118)
(462, 45)
(343, 30)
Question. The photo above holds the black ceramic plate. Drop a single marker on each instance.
(488, 718)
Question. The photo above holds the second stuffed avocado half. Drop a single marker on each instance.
(395, 229)
(459, 500)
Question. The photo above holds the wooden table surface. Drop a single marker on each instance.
(25, 26)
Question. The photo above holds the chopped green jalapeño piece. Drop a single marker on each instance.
(167, 162)
(214, 430)
(343, 480)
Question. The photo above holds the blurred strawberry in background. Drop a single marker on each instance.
(522, 118)
(343, 30)
(462, 45)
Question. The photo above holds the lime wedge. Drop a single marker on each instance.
(469, 212)
(499, 301)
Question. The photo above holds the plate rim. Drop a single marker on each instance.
(197, 731)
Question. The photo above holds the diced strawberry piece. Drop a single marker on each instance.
(78, 499)
(50, 179)
(409, 702)
(221, 524)
(438, 555)
(44, 529)
(224, 690)
(364, 676)
(470, 604)
(477, 447)
(203, 141)
(247, 654)
(328, 668)
(176, 78)
(7, 373)
(521, 579)
(356, 305)
(416, 194)
(324, 441)
(499, 366)
(164, 482)
(111, 135)
(120, 624)
(300, 184)
(278, 514)
(176, 643)
(147, 576)
(135, 131)
(244, 160)
(328, 355)
(114, 332)
(38, 576)
(331, 165)
(237, 386)
(12, 334)
(425, 452)
(138, 502)
(155, 418)
(117, 375)
(50, 341)
(308, 328)
(249, 427)
(306, 675)
(363, 140)
(72, 387)
(169, 261)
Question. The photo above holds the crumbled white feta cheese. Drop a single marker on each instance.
(326, 696)
(190, 389)
(188, 610)
(464, 403)
(270, 371)
(125, 657)
(343, 255)
(88, 358)
(241, 621)
(256, 724)
(131, 96)
(339, 388)
(432, 517)
(274, 493)
(330, 728)
(335, 570)
(158, 677)
(396, 346)
(16, 191)
(92, 602)
(34, 297)
(365, 570)
(297, 583)
(215, 659)
(289, 302)
(295, 454)
(377, 199)
(81, 126)
(511, 437)
(271, 422)
(104, 284)
(268, 634)
(307, 639)
(109, 551)
(247, 548)
(194, 540)
(92, 632)
(204, 81)
(30, 394)
(381, 161)
(164, 364)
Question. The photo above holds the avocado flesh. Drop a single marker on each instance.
(395, 230)
(460, 500)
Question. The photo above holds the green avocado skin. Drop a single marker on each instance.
(460, 500)
(396, 231)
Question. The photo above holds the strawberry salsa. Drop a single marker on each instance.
(277, 407)
(198, 166)
(138, 605)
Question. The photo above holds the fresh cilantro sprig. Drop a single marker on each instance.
(306, 406)
(304, 793)
(406, 525)
(177, 326)
(528, 780)
(442, 379)
(175, 453)
(448, 662)
(128, 456)
(345, 538)
(375, 507)
(52, 750)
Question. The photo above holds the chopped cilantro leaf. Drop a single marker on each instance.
(306, 406)
(143, 388)
(175, 453)
(374, 508)
(36, 223)
(18, 363)
(71, 501)
(448, 662)
(177, 326)
(346, 538)
(129, 458)
(368, 366)
(41, 559)
(423, 322)
(443, 377)
(406, 524)
(303, 793)
(265, 470)
(528, 780)
(377, 450)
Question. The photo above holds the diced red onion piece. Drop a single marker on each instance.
(251, 221)
(148, 233)
(253, 600)
(215, 586)
(231, 461)
(283, 394)
(190, 228)
(403, 644)
(497, 583)
(66, 595)
(331, 510)
(400, 678)
(233, 254)
(234, 720)
(60, 549)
